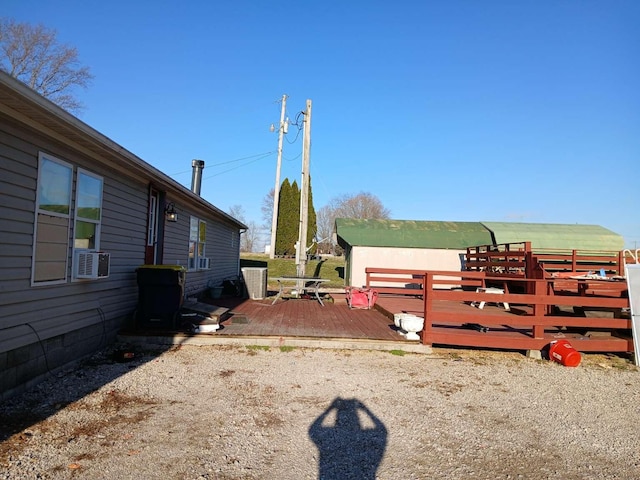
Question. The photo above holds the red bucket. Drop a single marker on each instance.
(562, 352)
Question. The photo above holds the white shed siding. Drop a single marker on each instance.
(409, 258)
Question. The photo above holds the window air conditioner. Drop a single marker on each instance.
(91, 264)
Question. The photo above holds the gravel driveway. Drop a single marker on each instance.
(252, 413)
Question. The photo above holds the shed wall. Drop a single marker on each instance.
(410, 258)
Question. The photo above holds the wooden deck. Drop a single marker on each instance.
(305, 318)
(297, 320)
(294, 322)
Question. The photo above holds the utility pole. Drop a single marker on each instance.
(304, 194)
(276, 190)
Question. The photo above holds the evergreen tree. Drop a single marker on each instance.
(294, 219)
(284, 213)
(288, 224)
(312, 227)
(288, 219)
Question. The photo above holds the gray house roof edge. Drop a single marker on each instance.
(60, 116)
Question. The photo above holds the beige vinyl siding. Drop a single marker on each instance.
(18, 173)
(45, 326)
(124, 225)
(176, 239)
(224, 258)
(224, 255)
(58, 309)
(223, 264)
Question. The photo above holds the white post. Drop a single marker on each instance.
(276, 190)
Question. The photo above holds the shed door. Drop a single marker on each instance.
(151, 251)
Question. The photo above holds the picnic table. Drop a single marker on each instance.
(300, 285)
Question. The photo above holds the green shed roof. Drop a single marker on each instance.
(556, 235)
(411, 234)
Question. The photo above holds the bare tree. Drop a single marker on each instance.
(237, 212)
(362, 205)
(325, 223)
(34, 56)
(267, 209)
(249, 239)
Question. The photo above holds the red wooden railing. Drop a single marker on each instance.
(410, 282)
(518, 260)
(532, 322)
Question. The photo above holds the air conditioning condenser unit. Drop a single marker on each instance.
(255, 280)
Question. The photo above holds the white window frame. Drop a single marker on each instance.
(152, 232)
(77, 218)
(42, 157)
(199, 260)
(72, 217)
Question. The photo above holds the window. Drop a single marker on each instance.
(86, 232)
(197, 245)
(54, 215)
(53, 211)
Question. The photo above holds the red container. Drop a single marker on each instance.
(361, 297)
(562, 352)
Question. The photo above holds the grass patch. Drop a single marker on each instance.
(287, 348)
(258, 347)
(252, 350)
(329, 267)
(399, 353)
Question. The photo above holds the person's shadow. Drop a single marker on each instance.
(351, 448)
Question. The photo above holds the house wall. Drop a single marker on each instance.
(43, 328)
(410, 258)
(222, 248)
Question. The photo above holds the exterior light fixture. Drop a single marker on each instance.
(170, 212)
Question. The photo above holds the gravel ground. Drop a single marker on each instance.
(253, 413)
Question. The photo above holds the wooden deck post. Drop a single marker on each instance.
(539, 309)
(621, 262)
(427, 288)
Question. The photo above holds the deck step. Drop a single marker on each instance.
(212, 312)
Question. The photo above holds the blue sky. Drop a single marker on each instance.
(445, 110)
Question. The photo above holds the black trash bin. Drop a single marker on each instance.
(160, 295)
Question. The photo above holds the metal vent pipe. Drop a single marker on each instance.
(196, 175)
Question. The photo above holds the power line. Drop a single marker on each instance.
(294, 158)
(265, 155)
(297, 124)
(261, 155)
